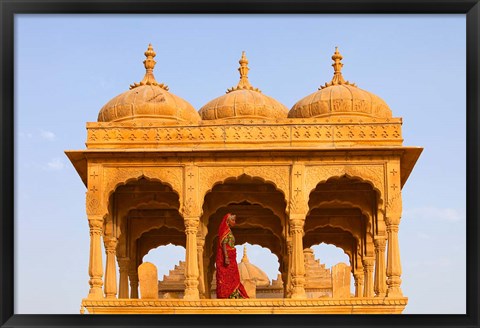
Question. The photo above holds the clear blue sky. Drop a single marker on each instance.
(67, 67)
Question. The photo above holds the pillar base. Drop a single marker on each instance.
(394, 292)
(95, 293)
(191, 295)
(298, 292)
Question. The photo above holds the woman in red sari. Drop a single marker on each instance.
(228, 277)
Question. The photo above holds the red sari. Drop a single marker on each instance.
(228, 277)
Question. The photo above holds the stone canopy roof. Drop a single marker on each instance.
(151, 101)
(148, 100)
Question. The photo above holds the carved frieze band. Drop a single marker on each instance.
(388, 132)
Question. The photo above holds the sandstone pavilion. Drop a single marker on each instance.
(329, 170)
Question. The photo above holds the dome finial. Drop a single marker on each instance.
(337, 74)
(244, 83)
(149, 63)
(245, 258)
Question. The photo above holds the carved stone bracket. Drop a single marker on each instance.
(93, 204)
(190, 208)
(393, 207)
(298, 203)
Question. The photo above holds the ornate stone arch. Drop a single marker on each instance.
(365, 212)
(349, 252)
(133, 243)
(166, 223)
(152, 245)
(275, 175)
(336, 225)
(371, 174)
(117, 176)
(242, 199)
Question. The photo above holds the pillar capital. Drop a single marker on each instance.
(95, 222)
(200, 242)
(191, 225)
(296, 224)
(379, 241)
(392, 220)
(110, 243)
(368, 263)
(358, 276)
(123, 263)
(393, 227)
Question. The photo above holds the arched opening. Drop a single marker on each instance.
(143, 214)
(170, 263)
(331, 256)
(259, 272)
(260, 211)
(343, 212)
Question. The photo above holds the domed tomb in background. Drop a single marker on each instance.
(340, 98)
(243, 101)
(249, 271)
(149, 100)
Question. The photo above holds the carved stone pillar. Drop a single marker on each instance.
(123, 271)
(368, 276)
(358, 276)
(298, 265)
(288, 281)
(110, 244)
(191, 259)
(95, 269)
(394, 267)
(201, 273)
(133, 275)
(380, 270)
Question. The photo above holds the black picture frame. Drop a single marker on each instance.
(9, 8)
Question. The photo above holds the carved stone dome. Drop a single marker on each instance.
(149, 100)
(243, 101)
(249, 271)
(340, 98)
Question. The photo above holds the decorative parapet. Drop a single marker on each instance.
(372, 305)
(243, 133)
